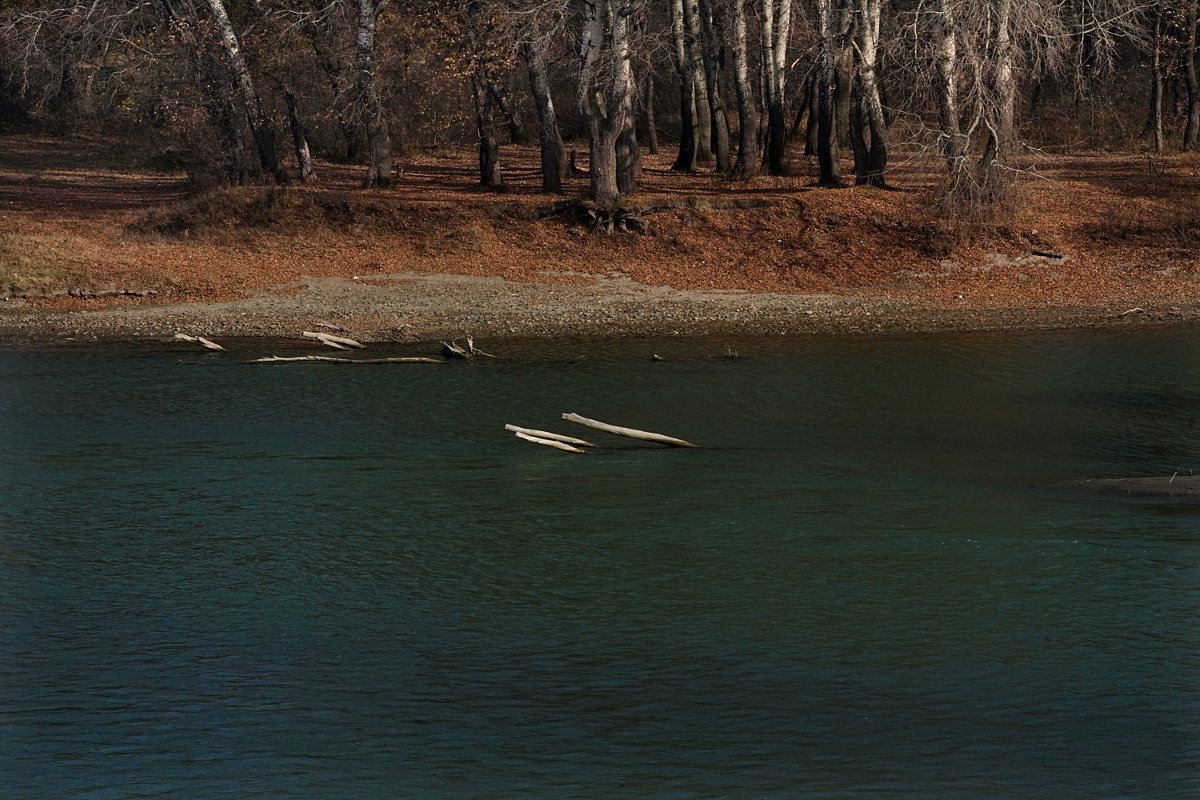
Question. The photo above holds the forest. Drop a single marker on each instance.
(241, 91)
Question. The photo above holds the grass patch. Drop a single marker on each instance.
(29, 269)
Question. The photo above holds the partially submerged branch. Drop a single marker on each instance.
(200, 340)
(549, 443)
(631, 433)
(558, 437)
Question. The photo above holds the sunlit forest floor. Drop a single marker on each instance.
(81, 227)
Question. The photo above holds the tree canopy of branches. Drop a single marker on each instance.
(214, 82)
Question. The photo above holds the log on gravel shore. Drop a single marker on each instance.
(200, 340)
(340, 342)
(631, 433)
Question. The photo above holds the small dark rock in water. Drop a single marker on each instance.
(1167, 486)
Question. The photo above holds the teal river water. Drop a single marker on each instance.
(312, 581)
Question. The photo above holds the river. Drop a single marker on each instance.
(318, 581)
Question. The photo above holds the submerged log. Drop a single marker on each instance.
(558, 437)
(631, 433)
(200, 340)
(1165, 486)
(549, 443)
(340, 342)
(333, 360)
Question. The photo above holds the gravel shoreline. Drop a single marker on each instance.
(412, 307)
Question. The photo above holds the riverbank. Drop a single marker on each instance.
(96, 248)
(420, 308)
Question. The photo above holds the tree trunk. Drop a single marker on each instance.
(629, 154)
(343, 114)
(379, 143)
(711, 41)
(612, 143)
(749, 158)
(550, 142)
(260, 125)
(1155, 121)
(686, 160)
(1191, 132)
(518, 131)
(874, 165)
(829, 168)
(813, 100)
(776, 28)
(485, 127)
(953, 141)
(698, 59)
(1001, 107)
(299, 140)
(651, 123)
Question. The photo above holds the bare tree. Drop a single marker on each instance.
(606, 100)
(828, 156)
(712, 49)
(260, 124)
(370, 104)
(550, 143)
(870, 167)
(776, 30)
(749, 155)
(685, 73)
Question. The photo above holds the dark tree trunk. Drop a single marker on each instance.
(485, 125)
(651, 122)
(1191, 132)
(1155, 120)
(858, 135)
(299, 140)
(829, 168)
(713, 58)
(686, 160)
(813, 100)
(550, 142)
(776, 28)
(343, 114)
(518, 131)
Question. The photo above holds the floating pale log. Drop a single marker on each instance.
(200, 340)
(332, 360)
(558, 437)
(549, 443)
(631, 433)
(340, 342)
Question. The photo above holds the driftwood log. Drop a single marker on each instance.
(557, 437)
(549, 443)
(455, 350)
(333, 360)
(200, 340)
(631, 433)
(339, 342)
